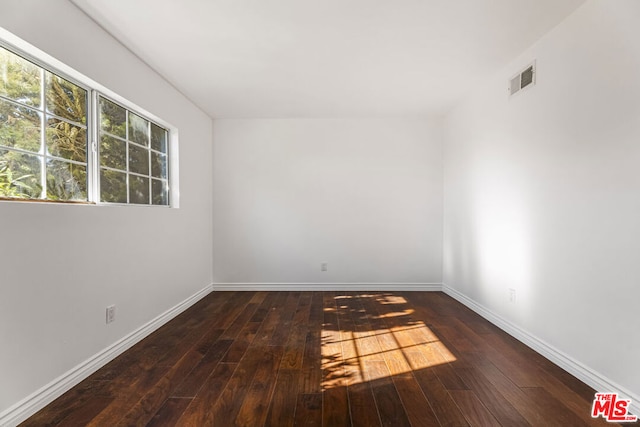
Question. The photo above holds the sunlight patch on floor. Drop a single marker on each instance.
(355, 351)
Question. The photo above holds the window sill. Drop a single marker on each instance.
(64, 202)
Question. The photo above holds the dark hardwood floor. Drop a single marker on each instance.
(326, 358)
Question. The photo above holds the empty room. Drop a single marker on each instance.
(319, 212)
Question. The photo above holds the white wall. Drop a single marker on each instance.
(542, 192)
(61, 265)
(363, 195)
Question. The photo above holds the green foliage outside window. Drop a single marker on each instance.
(36, 104)
(17, 178)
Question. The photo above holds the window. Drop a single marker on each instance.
(47, 125)
(133, 157)
(43, 133)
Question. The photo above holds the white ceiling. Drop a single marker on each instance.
(326, 58)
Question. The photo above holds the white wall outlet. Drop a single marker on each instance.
(323, 266)
(111, 313)
(512, 295)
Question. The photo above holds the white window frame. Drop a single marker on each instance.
(94, 90)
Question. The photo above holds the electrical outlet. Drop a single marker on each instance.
(111, 313)
(323, 266)
(512, 295)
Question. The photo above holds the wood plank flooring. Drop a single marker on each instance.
(326, 359)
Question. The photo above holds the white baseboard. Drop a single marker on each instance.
(28, 406)
(327, 286)
(585, 374)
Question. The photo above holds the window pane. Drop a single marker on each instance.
(138, 160)
(158, 138)
(159, 192)
(138, 190)
(19, 175)
(138, 130)
(113, 118)
(66, 100)
(66, 181)
(113, 186)
(19, 79)
(19, 127)
(113, 152)
(66, 140)
(158, 165)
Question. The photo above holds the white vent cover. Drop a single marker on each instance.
(523, 79)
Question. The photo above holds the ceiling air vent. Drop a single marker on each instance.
(523, 79)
